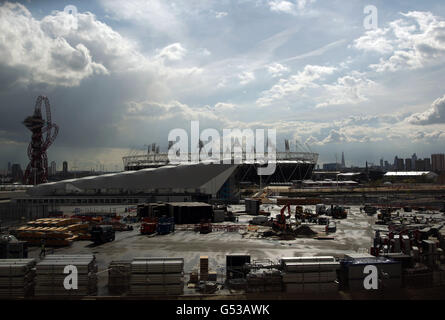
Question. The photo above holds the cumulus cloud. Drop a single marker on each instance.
(173, 52)
(375, 40)
(412, 42)
(277, 69)
(290, 7)
(295, 83)
(346, 90)
(42, 57)
(434, 115)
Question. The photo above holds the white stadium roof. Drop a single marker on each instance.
(181, 178)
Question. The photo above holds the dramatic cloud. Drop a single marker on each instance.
(31, 47)
(122, 74)
(434, 115)
(415, 41)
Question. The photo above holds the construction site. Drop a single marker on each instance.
(159, 230)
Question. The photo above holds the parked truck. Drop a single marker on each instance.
(102, 233)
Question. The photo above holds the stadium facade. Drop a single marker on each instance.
(152, 178)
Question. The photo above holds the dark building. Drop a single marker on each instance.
(408, 164)
(399, 164)
(427, 164)
(65, 168)
(438, 162)
(420, 165)
(16, 172)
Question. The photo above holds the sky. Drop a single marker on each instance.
(121, 75)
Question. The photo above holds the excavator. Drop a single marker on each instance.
(279, 224)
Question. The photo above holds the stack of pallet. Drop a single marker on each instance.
(16, 278)
(264, 281)
(51, 276)
(157, 276)
(204, 268)
(310, 274)
(119, 273)
(53, 231)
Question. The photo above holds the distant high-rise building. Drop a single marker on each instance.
(16, 172)
(438, 162)
(343, 165)
(9, 169)
(420, 165)
(408, 164)
(413, 161)
(400, 164)
(427, 164)
(381, 163)
(53, 168)
(386, 165)
(65, 167)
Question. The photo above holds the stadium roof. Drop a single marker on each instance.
(181, 178)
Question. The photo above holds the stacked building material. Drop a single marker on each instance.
(50, 275)
(310, 274)
(53, 231)
(204, 268)
(264, 281)
(16, 278)
(353, 272)
(157, 276)
(119, 273)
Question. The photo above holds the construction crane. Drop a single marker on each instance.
(37, 169)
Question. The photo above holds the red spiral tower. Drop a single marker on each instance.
(44, 132)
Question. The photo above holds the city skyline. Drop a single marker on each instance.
(121, 75)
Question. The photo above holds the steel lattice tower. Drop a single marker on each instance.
(37, 169)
